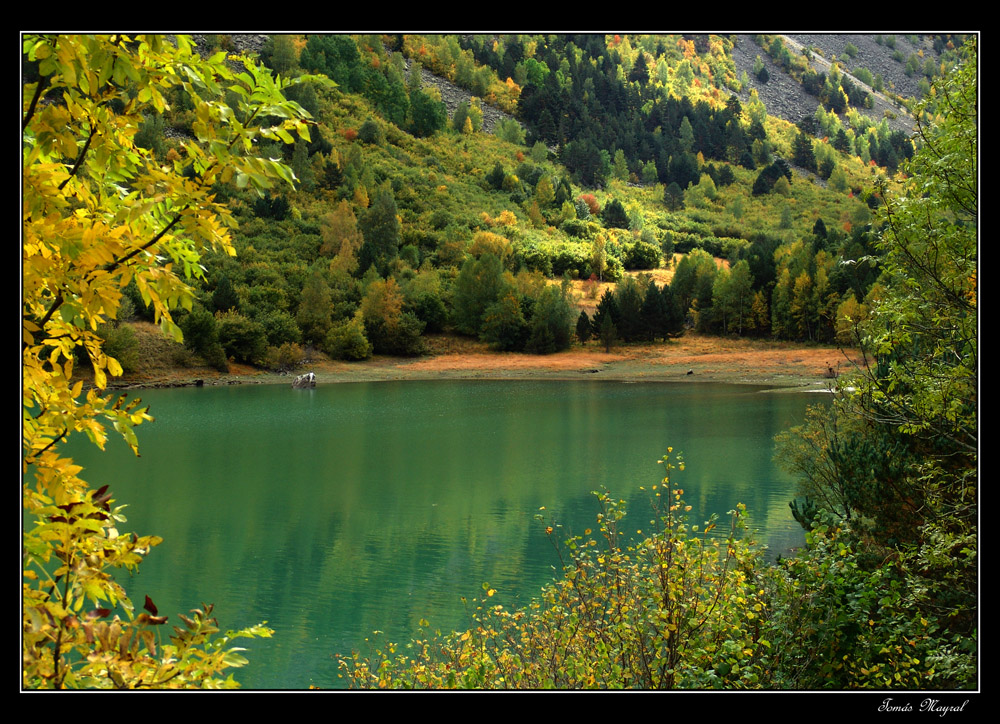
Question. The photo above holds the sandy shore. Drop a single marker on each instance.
(692, 358)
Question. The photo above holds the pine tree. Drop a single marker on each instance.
(550, 322)
(606, 307)
(630, 302)
(583, 330)
(802, 152)
(614, 215)
(380, 228)
(607, 332)
(224, 297)
(673, 197)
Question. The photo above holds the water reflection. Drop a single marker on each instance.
(336, 511)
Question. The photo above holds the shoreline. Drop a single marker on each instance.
(693, 358)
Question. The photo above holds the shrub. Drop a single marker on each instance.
(121, 344)
(533, 258)
(841, 621)
(201, 336)
(571, 258)
(150, 135)
(371, 133)
(284, 358)
(399, 338)
(504, 327)
(242, 339)
(430, 309)
(347, 340)
(577, 227)
(641, 255)
(280, 327)
(679, 609)
(591, 202)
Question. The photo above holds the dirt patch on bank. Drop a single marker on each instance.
(692, 358)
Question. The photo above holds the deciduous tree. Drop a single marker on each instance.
(99, 213)
(898, 452)
(480, 283)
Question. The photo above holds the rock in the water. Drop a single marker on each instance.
(304, 381)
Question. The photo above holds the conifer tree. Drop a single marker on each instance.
(630, 301)
(380, 228)
(583, 330)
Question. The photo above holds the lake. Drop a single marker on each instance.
(336, 511)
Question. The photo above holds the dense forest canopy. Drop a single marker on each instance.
(578, 156)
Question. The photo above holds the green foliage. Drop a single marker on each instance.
(380, 228)
(510, 131)
(335, 56)
(389, 328)
(150, 135)
(100, 214)
(583, 327)
(279, 53)
(614, 216)
(673, 197)
(607, 309)
(846, 621)
(679, 609)
(284, 358)
(896, 457)
(224, 297)
(504, 327)
(315, 306)
(280, 327)
(201, 336)
(770, 176)
(242, 339)
(550, 322)
(370, 132)
(429, 115)
(347, 341)
(480, 284)
(607, 332)
(696, 271)
(641, 255)
(120, 344)
(732, 296)
(629, 298)
(802, 152)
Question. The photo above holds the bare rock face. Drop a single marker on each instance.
(305, 381)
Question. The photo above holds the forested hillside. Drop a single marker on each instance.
(555, 158)
(588, 158)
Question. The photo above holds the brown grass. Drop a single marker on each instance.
(721, 359)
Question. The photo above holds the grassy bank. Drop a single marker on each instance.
(692, 358)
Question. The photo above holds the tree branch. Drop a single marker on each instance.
(111, 266)
(42, 83)
(79, 159)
